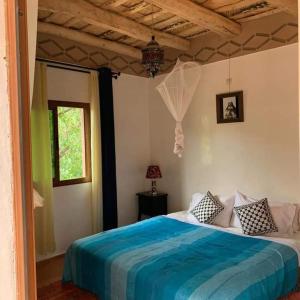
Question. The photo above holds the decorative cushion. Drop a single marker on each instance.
(285, 215)
(256, 218)
(223, 218)
(207, 209)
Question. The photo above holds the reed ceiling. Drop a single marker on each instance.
(125, 26)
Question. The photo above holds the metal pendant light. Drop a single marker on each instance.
(153, 55)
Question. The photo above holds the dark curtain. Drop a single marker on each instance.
(109, 182)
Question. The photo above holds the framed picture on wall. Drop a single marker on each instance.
(230, 107)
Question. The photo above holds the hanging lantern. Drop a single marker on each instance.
(153, 57)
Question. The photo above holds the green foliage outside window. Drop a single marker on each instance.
(71, 138)
(71, 142)
(52, 141)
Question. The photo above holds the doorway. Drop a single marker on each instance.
(19, 99)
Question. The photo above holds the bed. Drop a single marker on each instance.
(167, 258)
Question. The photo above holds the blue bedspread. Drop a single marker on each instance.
(165, 259)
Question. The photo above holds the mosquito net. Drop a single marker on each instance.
(177, 90)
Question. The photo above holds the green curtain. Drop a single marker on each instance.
(41, 162)
(96, 196)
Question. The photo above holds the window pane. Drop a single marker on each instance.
(71, 142)
(52, 142)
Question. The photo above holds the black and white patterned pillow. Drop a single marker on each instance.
(256, 218)
(207, 209)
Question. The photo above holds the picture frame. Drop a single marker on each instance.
(230, 107)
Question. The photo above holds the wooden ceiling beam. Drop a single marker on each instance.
(200, 15)
(88, 39)
(290, 6)
(112, 21)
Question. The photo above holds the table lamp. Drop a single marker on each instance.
(153, 172)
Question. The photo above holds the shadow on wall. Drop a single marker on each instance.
(162, 137)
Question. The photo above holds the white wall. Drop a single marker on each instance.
(132, 142)
(7, 250)
(72, 214)
(66, 85)
(258, 156)
(72, 206)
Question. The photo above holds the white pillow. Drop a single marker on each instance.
(240, 199)
(196, 198)
(223, 218)
(296, 222)
(293, 209)
(284, 215)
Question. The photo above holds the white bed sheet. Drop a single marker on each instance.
(293, 241)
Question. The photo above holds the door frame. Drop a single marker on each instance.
(19, 99)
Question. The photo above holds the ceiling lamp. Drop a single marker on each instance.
(152, 55)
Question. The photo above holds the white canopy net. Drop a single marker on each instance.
(177, 90)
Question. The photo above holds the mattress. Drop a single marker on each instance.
(293, 241)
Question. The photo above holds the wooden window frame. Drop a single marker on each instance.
(52, 105)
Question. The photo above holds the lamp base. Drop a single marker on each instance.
(153, 188)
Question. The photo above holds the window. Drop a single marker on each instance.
(70, 142)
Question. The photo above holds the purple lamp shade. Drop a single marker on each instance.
(153, 172)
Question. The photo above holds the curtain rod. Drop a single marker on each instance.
(72, 67)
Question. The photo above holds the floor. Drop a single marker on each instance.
(49, 271)
(57, 291)
(49, 274)
(294, 296)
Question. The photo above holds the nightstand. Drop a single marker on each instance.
(152, 205)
